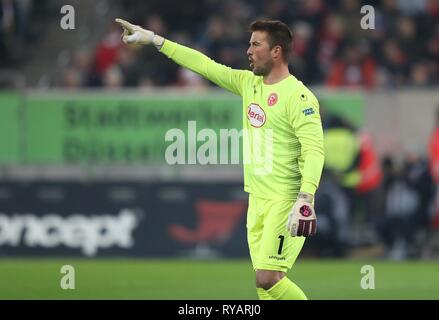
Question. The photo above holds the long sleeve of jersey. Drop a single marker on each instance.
(223, 76)
(308, 129)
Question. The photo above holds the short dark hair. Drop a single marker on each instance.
(278, 34)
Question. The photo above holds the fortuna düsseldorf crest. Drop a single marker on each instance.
(272, 99)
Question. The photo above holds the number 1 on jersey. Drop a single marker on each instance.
(281, 244)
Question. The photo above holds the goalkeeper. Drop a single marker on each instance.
(280, 108)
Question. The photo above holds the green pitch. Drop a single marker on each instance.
(211, 280)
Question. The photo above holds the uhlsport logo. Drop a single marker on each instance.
(272, 99)
(256, 115)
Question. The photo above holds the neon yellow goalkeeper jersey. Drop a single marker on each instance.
(282, 131)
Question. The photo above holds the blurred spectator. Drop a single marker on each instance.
(82, 60)
(433, 7)
(338, 135)
(412, 7)
(434, 150)
(330, 39)
(419, 177)
(350, 13)
(369, 165)
(127, 61)
(311, 11)
(187, 78)
(389, 13)
(394, 63)
(72, 79)
(420, 75)
(113, 78)
(156, 24)
(394, 225)
(433, 52)
(347, 169)
(434, 165)
(304, 52)
(215, 39)
(409, 192)
(276, 10)
(334, 231)
(107, 52)
(355, 69)
(77, 75)
(14, 20)
(152, 68)
(406, 36)
(368, 190)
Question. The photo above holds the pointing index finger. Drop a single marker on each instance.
(125, 24)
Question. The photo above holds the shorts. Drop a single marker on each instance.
(270, 244)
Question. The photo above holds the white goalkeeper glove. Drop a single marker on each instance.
(302, 220)
(133, 34)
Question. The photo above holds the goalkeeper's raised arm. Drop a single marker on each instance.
(191, 59)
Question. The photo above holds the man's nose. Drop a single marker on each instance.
(249, 51)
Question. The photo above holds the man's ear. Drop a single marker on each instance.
(276, 52)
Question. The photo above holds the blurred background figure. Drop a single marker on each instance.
(342, 151)
(434, 149)
(409, 191)
(355, 69)
(339, 135)
(106, 54)
(432, 247)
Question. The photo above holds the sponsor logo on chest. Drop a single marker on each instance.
(256, 115)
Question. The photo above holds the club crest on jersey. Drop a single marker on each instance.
(256, 115)
(272, 99)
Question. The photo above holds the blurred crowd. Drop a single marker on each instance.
(19, 29)
(393, 200)
(329, 45)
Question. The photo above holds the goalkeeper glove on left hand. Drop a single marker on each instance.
(302, 220)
